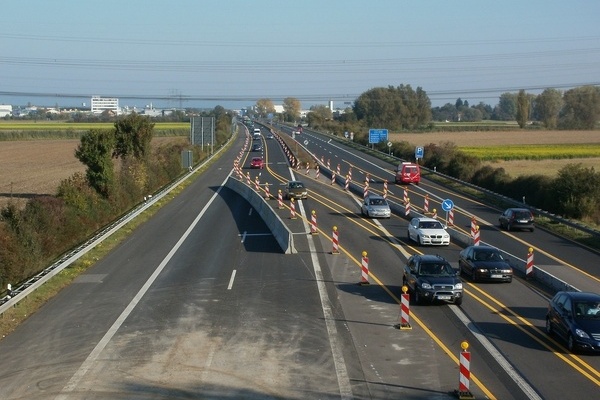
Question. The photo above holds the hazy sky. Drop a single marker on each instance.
(231, 53)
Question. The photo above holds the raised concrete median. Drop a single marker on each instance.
(279, 230)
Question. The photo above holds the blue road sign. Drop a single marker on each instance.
(378, 135)
(447, 205)
(419, 151)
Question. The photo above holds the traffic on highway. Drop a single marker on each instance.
(504, 324)
(203, 301)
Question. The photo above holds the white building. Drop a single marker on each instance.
(5, 110)
(101, 104)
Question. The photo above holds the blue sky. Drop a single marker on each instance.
(231, 53)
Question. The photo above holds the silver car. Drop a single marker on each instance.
(375, 206)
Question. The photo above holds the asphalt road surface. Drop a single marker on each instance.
(200, 302)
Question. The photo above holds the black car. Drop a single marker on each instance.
(430, 278)
(257, 147)
(575, 318)
(516, 218)
(484, 263)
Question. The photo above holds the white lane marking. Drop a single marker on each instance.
(336, 347)
(243, 236)
(208, 364)
(93, 356)
(231, 280)
(512, 373)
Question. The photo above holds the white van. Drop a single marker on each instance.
(256, 134)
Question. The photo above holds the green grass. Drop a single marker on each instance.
(533, 152)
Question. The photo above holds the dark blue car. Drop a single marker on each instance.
(575, 318)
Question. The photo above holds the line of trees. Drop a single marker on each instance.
(403, 108)
(577, 108)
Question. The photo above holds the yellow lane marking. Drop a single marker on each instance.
(543, 343)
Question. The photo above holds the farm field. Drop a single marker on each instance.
(34, 167)
(535, 141)
(31, 168)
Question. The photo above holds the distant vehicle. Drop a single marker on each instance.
(516, 218)
(425, 230)
(375, 206)
(430, 277)
(575, 318)
(257, 147)
(408, 173)
(295, 190)
(257, 162)
(269, 135)
(484, 263)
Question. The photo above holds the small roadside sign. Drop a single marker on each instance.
(447, 205)
(419, 152)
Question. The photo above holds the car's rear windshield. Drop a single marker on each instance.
(522, 214)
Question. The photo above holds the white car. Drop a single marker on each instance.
(425, 230)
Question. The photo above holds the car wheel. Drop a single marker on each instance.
(508, 227)
(458, 301)
(473, 275)
(570, 343)
(419, 240)
(418, 299)
(548, 326)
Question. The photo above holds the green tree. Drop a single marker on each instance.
(506, 109)
(292, 108)
(95, 152)
(577, 191)
(547, 107)
(581, 108)
(265, 107)
(522, 115)
(133, 135)
(471, 115)
(394, 108)
(318, 115)
(485, 109)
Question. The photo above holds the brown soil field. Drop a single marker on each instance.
(31, 168)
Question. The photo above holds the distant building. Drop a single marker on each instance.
(101, 104)
(5, 110)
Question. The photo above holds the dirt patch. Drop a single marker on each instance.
(36, 167)
(549, 168)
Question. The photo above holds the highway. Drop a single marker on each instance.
(201, 302)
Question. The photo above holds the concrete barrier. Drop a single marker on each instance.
(280, 231)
